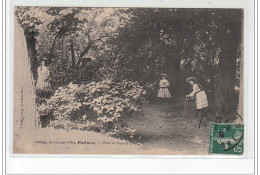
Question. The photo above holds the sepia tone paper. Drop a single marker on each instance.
(103, 81)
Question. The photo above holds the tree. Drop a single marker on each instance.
(84, 31)
(141, 41)
(157, 40)
(200, 55)
(138, 44)
(229, 34)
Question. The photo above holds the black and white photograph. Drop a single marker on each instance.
(128, 81)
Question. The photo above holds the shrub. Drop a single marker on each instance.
(95, 106)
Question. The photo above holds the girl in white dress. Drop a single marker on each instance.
(43, 74)
(201, 97)
(163, 91)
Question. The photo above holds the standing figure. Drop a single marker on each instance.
(43, 74)
(201, 97)
(163, 91)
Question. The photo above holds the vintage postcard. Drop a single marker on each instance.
(132, 81)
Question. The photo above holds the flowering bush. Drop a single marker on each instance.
(108, 101)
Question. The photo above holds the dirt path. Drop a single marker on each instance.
(163, 126)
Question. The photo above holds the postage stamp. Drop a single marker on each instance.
(226, 138)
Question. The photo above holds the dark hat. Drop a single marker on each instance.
(191, 79)
(164, 75)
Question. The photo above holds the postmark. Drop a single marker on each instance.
(219, 115)
(226, 138)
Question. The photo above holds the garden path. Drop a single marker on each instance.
(163, 126)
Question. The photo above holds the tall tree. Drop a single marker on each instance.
(229, 32)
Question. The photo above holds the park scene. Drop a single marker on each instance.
(149, 78)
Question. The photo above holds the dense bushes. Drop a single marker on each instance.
(95, 106)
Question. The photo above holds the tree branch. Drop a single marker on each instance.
(84, 53)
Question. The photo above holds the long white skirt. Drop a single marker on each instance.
(42, 85)
(201, 100)
(164, 93)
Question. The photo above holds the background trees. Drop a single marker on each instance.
(88, 44)
(181, 43)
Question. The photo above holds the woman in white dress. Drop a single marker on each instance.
(43, 74)
(201, 97)
(163, 91)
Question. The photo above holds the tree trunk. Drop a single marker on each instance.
(152, 69)
(229, 34)
(225, 80)
(138, 75)
(173, 66)
(53, 48)
(177, 53)
(30, 40)
(64, 51)
(72, 53)
(83, 53)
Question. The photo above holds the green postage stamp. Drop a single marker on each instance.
(226, 138)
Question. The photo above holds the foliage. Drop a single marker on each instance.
(189, 39)
(140, 42)
(202, 57)
(135, 37)
(87, 45)
(32, 18)
(186, 36)
(109, 100)
(83, 32)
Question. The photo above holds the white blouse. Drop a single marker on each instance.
(196, 89)
(164, 83)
